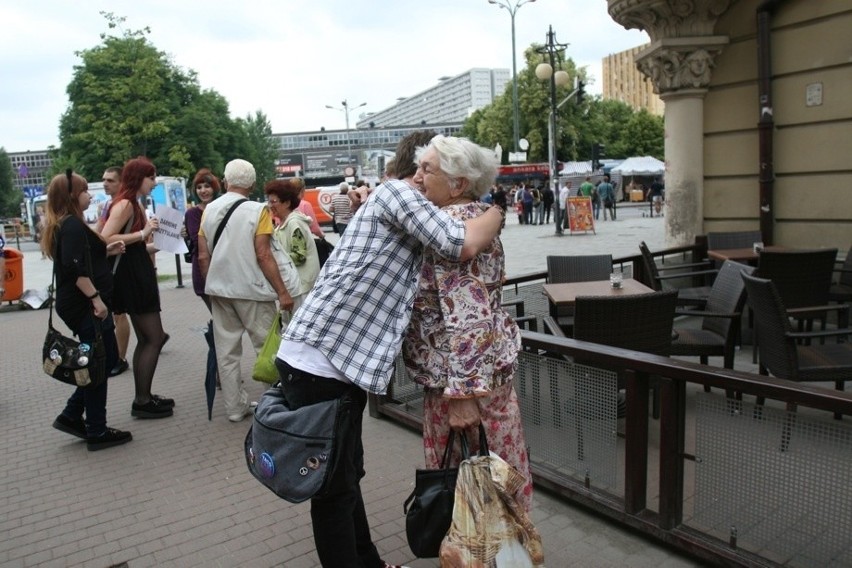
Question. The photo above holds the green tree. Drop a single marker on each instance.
(644, 135)
(623, 131)
(258, 147)
(126, 99)
(10, 197)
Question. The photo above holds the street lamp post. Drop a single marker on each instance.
(346, 108)
(545, 71)
(513, 9)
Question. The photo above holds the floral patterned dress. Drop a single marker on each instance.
(461, 343)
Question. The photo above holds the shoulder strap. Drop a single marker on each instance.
(224, 222)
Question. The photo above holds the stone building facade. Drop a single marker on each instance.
(758, 114)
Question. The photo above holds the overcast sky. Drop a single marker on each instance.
(288, 58)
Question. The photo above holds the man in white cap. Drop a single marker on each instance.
(243, 279)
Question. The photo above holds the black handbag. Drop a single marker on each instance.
(294, 452)
(428, 518)
(68, 360)
(324, 249)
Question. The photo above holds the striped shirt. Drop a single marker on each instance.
(359, 308)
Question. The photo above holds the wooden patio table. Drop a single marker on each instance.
(565, 293)
(745, 255)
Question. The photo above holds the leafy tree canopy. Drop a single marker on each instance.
(623, 131)
(127, 98)
(10, 198)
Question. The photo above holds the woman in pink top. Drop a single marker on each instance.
(308, 209)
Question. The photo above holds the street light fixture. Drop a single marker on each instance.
(545, 72)
(513, 9)
(346, 108)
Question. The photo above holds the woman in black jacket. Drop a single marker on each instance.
(83, 298)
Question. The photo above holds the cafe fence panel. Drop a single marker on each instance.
(723, 480)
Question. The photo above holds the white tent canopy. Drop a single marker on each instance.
(640, 166)
(576, 168)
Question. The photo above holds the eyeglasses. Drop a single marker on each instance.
(272, 202)
(427, 170)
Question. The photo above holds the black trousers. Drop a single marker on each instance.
(340, 526)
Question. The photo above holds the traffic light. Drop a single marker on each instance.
(597, 154)
(581, 91)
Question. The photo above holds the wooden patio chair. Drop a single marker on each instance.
(721, 317)
(640, 322)
(657, 281)
(587, 268)
(803, 280)
(841, 291)
(781, 353)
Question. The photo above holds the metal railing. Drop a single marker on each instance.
(652, 480)
(723, 479)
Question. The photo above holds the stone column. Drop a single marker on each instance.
(679, 63)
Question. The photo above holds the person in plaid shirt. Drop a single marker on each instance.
(345, 337)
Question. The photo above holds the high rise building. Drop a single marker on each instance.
(29, 171)
(452, 100)
(623, 82)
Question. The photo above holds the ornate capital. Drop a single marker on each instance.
(684, 63)
(669, 18)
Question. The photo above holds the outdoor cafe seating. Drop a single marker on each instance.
(781, 352)
(659, 281)
(841, 290)
(720, 318)
(803, 281)
(586, 268)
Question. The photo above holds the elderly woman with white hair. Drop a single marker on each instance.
(461, 345)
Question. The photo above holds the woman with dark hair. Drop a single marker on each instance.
(206, 188)
(83, 299)
(136, 290)
(293, 235)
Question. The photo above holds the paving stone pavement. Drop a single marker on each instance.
(180, 495)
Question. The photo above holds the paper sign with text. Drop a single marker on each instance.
(167, 236)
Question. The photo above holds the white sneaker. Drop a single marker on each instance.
(249, 410)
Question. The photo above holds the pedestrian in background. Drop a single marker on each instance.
(242, 279)
(206, 188)
(341, 208)
(606, 193)
(293, 234)
(112, 181)
(547, 200)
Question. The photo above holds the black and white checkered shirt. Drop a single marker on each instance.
(361, 304)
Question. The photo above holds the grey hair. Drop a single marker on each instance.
(240, 173)
(462, 159)
(343, 187)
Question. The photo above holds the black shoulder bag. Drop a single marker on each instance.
(67, 360)
(429, 508)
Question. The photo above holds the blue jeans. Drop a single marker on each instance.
(92, 400)
(341, 530)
